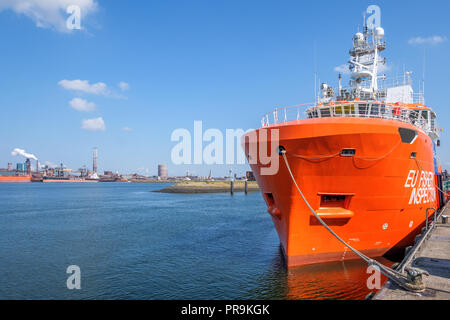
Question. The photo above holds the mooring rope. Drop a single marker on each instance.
(338, 153)
(421, 170)
(314, 157)
(381, 158)
(395, 276)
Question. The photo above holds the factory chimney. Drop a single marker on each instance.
(28, 166)
(95, 157)
(163, 172)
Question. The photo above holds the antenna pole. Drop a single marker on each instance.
(315, 88)
(423, 76)
(315, 72)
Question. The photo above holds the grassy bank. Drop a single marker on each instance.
(209, 187)
(150, 181)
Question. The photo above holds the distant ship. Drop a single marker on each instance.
(21, 175)
(112, 179)
(13, 177)
(72, 179)
(364, 159)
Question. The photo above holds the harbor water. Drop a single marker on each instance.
(131, 243)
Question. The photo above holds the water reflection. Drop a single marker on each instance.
(343, 280)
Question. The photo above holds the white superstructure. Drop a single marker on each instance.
(365, 82)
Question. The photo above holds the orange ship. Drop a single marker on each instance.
(14, 178)
(364, 159)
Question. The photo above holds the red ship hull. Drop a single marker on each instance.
(15, 179)
(375, 200)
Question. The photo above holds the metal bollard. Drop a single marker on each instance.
(426, 222)
(435, 219)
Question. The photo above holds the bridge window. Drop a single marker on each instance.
(325, 112)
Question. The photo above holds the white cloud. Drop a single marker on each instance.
(49, 13)
(433, 40)
(50, 164)
(127, 129)
(96, 124)
(82, 105)
(124, 86)
(382, 68)
(98, 88)
(343, 68)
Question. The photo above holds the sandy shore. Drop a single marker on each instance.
(209, 187)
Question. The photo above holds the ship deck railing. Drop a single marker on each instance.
(380, 95)
(365, 90)
(419, 117)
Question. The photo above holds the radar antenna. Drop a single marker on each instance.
(365, 60)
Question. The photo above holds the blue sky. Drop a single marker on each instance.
(223, 62)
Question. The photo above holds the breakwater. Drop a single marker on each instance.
(210, 187)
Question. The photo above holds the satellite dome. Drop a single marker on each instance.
(359, 36)
(379, 33)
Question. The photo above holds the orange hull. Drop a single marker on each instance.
(374, 205)
(16, 179)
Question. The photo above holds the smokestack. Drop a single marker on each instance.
(37, 166)
(28, 166)
(95, 157)
(163, 172)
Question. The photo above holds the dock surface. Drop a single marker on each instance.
(434, 257)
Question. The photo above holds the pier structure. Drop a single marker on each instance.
(431, 253)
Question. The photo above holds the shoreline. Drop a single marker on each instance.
(193, 187)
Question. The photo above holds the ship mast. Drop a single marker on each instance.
(364, 64)
(365, 61)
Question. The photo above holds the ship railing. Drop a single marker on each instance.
(385, 83)
(381, 95)
(418, 98)
(359, 109)
(393, 82)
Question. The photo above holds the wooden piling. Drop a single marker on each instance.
(231, 187)
(246, 186)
